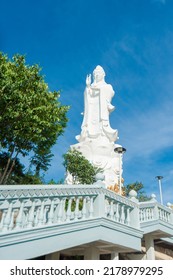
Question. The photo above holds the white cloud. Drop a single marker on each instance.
(147, 133)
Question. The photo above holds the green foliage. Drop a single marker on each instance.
(53, 182)
(17, 171)
(18, 175)
(31, 116)
(31, 179)
(79, 167)
(138, 187)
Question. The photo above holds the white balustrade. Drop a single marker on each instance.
(146, 214)
(150, 211)
(25, 207)
(164, 214)
(118, 211)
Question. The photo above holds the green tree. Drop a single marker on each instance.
(17, 171)
(82, 171)
(29, 178)
(139, 188)
(18, 174)
(53, 182)
(31, 117)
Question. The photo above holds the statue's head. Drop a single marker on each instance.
(98, 73)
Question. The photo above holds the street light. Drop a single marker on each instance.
(120, 150)
(160, 187)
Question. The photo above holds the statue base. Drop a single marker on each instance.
(100, 152)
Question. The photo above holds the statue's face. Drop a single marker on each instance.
(98, 76)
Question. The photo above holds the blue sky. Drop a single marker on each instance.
(133, 42)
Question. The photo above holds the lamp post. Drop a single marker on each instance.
(120, 150)
(160, 188)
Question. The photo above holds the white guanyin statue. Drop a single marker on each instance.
(96, 141)
(97, 102)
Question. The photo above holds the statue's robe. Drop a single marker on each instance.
(97, 104)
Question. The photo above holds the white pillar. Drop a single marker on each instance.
(92, 253)
(160, 189)
(53, 256)
(115, 256)
(149, 244)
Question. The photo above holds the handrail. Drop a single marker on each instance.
(27, 206)
(30, 206)
(152, 210)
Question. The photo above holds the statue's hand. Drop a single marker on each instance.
(88, 80)
(110, 106)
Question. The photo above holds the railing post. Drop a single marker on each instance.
(169, 205)
(134, 214)
(156, 212)
(99, 205)
(171, 218)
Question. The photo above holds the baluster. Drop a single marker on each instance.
(141, 215)
(60, 211)
(106, 208)
(37, 213)
(45, 219)
(168, 217)
(7, 218)
(41, 214)
(164, 216)
(152, 213)
(144, 211)
(55, 215)
(64, 211)
(122, 219)
(111, 213)
(19, 218)
(51, 212)
(76, 212)
(68, 214)
(128, 216)
(84, 209)
(91, 208)
(80, 210)
(2, 218)
(30, 220)
(25, 217)
(145, 215)
(12, 221)
(148, 214)
(160, 213)
(117, 215)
